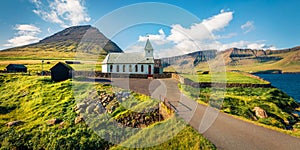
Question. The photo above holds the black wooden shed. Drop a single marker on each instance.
(16, 68)
(61, 72)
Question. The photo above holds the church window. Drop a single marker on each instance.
(111, 68)
(136, 68)
(130, 68)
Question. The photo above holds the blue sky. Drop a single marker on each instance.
(265, 24)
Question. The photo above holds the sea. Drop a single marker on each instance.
(288, 83)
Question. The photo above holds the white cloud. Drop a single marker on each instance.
(246, 45)
(63, 12)
(227, 36)
(26, 34)
(219, 21)
(158, 39)
(248, 26)
(200, 36)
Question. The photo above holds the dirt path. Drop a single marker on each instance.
(223, 130)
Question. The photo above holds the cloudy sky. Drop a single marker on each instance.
(181, 26)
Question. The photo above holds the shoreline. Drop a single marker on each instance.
(275, 73)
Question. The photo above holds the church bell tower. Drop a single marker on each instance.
(148, 49)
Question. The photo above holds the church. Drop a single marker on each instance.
(132, 63)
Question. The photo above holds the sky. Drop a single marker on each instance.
(173, 27)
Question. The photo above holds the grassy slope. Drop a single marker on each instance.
(185, 137)
(34, 100)
(289, 63)
(31, 56)
(231, 77)
(241, 101)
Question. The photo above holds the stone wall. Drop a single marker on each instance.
(101, 102)
(116, 75)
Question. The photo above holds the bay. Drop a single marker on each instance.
(288, 83)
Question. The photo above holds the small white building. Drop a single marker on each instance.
(130, 63)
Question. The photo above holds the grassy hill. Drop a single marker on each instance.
(35, 100)
(84, 43)
(66, 44)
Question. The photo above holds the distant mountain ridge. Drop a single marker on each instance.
(250, 60)
(233, 55)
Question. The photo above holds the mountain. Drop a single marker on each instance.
(66, 43)
(193, 58)
(250, 60)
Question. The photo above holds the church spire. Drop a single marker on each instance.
(148, 49)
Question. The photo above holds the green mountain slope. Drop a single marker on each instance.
(65, 44)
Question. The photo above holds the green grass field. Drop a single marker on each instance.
(229, 77)
(34, 66)
(34, 100)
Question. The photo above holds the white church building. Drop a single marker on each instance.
(130, 63)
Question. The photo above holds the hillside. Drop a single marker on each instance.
(249, 60)
(65, 44)
(287, 60)
(48, 118)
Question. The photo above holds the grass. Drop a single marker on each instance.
(229, 77)
(241, 101)
(34, 100)
(180, 135)
(34, 66)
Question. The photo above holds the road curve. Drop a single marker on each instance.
(223, 130)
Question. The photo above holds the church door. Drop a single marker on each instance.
(149, 69)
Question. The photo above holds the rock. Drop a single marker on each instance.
(54, 121)
(61, 125)
(259, 112)
(90, 108)
(80, 111)
(14, 123)
(80, 106)
(105, 98)
(99, 109)
(78, 119)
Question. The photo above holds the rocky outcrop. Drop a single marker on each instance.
(54, 121)
(14, 123)
(78, 119)
(259, 112)
(101, 102)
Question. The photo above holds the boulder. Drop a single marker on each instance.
(259, 112)
(90, 108)
(61, 125)
(14, 123)
(80, 106)
(54, 121)
(99, 109)
(78, 119)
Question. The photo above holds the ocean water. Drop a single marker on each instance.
(288, 83)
